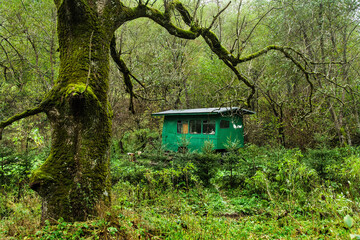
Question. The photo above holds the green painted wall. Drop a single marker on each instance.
(172, 140)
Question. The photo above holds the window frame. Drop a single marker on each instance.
(196, 126)
(209, 122)
(228, 124)
(180, 123)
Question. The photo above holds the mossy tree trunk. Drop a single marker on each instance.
(75, 177)
(74, 181)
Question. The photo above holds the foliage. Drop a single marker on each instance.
(322, 159)
(15, 168)
(349, 221)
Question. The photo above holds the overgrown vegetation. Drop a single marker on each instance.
(248, 193)
(297, 179)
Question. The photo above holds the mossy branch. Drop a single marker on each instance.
(163, 19)
(185, 15)
(19, 116)
(258, 54)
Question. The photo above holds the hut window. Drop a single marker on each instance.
(195, 126)
(182, 127)
(208, 127)
(224, 124)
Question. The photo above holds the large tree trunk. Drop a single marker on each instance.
(74, 181)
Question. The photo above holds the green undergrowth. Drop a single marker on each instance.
(196, 214)
(251, 193)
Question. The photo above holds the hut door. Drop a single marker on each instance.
(182, 127)
(185, 128)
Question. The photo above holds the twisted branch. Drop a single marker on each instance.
(164, 20)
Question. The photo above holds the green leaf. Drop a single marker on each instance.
(348, 220)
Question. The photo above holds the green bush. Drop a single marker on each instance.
(15, 168)
(124, 170)
(207, 166)
(345, 175)
(5, 210)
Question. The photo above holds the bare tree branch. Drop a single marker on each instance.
(218, 14)
(163, 19)
(244, 80)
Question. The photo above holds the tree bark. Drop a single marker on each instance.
(75, 178)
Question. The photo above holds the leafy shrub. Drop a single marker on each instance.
(156, 171)
(294, 178)
(124, 170)
(15, 168)
(156, 153)
(345, 175)
(5, 210)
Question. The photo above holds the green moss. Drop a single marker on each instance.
(75, 176)
(80, 89)
(73, 180)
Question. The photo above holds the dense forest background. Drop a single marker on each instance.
(309, 115)
(172, 73)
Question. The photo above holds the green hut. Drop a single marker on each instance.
(190, 128)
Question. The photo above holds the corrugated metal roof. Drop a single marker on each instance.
(204, 111)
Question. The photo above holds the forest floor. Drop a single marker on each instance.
(196, 214)
(149, 203)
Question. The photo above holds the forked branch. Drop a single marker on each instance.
(231, 61)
